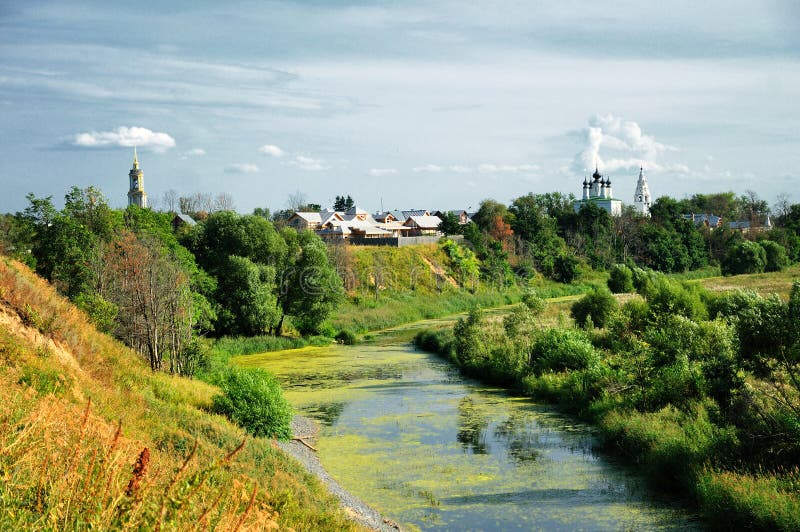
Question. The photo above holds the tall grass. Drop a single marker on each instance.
(146, 454)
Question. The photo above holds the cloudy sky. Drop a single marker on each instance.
(415, 104)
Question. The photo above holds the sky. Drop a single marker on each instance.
(400, 104)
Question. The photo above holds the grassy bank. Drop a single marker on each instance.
(699, 390)
(96, 440)
(392, 286)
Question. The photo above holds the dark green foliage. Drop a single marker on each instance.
(763, 325)
(565, 268)
(744, 257)
(598, 306)
(310, 289)
(252, 399)
(562, 349)
(469, 341)
(274, 274)
(620, 279)
(451, 225)
(440, 342)
(342, 203)
(777, 258)
(245, 294)
(664, 249)
(346, 337)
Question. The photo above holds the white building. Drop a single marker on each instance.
(642, 198)
(598, 191)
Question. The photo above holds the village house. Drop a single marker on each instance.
(704, 220)
(358, 226)
(714, 222)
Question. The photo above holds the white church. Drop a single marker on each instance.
(598, 191)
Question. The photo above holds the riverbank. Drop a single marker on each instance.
(305, 432)
(694, 388)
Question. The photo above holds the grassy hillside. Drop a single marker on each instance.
(390, 286)
(89, 437)
(764, 283)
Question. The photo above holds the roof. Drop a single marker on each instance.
(424, 222)
(185, 218)
(354, 210)
(700, 219)
(311, 217)
(414, 212)
(745, 224)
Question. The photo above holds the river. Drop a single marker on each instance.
(404, 431)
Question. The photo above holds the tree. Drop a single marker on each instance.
(169, 200)
(488, 211)
(744, 257)
(296, 201)
(223, 202)
(262, 212)
(247, 296)
(565, 268)
(500, 231)
(620, 279)
(451, 225)
(148, 290)
(598, 305)
(311, 288)
(776, 256)
(343, 203)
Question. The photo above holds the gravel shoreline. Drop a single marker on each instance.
(305, 432)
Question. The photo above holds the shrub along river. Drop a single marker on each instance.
(404, 431)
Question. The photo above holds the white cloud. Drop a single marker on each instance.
(241, 168)
(623, 144)
(124, 137)
(308, 163)
(378, 172)
(432, 168)
(196, 152)
(507, 168)
(460, 169)
(272, 150)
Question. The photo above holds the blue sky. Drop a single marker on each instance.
(418, 104)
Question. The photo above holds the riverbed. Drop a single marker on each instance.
(405, 432)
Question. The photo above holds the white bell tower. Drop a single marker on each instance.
(641, 198)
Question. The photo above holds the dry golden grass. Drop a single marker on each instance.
(764, 283)
(90, 437)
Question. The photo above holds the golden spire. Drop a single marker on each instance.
(135, 159)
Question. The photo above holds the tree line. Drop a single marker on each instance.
(159, 289)
(542, 233)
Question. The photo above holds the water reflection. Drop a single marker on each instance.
(472, 424)
(430, 449)
(521, 442)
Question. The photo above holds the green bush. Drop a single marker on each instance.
(744, 257)
(667, 298)
(346, 337)
(102, 313)
(621, 279)
(565, 268)
(561, 349)
(777, 258)
(252, 399)
(598, 305)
